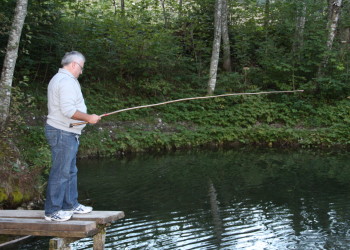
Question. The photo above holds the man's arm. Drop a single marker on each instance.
(86, 117)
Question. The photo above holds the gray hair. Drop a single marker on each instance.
(72, 56)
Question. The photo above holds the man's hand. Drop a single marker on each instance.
(93, 119)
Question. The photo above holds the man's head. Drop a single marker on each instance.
(73, 62)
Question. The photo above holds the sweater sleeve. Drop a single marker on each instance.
(67, 95)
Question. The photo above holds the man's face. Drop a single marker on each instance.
(78, 68)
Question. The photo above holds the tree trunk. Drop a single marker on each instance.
(335, 7)
(299, 28)
(180, 7)
(298, 42)
(164, 13)
(10, 59)
(216, 48)
(122, 7)
(266, 23)
(267, 14)
(225, 38)
(115, 7)
(333, 18)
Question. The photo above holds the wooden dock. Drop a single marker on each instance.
(32, 222)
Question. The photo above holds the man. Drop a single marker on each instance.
(65, 105)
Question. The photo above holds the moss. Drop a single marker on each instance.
(27, 197)
(18, 179)
(3, 195)
(17, 196)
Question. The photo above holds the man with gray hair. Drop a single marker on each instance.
(65, 106)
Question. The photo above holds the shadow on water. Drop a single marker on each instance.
(229, 199)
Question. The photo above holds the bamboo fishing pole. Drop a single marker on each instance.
(187, 99)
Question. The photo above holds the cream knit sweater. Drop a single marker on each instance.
(64, 99)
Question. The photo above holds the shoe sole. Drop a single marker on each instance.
(82, 212)
(50, 219)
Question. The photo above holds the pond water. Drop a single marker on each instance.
(226, 199)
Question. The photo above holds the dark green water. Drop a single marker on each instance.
(232, 199)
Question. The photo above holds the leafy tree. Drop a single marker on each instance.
(334, 7)
(10, 59)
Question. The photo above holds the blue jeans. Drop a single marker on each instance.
(62, 191)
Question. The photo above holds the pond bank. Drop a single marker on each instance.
(26, 183)
(100, 141)
(253, 121)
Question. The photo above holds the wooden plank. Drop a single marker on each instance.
(40, 227)
(21, 213)
(101, 217)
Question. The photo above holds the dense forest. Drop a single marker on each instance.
(149, 51)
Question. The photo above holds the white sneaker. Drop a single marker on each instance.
(81, 209)
(59, 216)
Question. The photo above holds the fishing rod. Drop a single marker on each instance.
(187, 99)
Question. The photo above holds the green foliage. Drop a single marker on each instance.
(37, 155)
(6, 12)
(147, 44)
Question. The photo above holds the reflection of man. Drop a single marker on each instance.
(65, 105)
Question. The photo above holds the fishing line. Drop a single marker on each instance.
(187, 99)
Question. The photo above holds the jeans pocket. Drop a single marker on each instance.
(52, 135)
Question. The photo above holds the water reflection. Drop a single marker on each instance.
(236, 199)
(215, 211)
